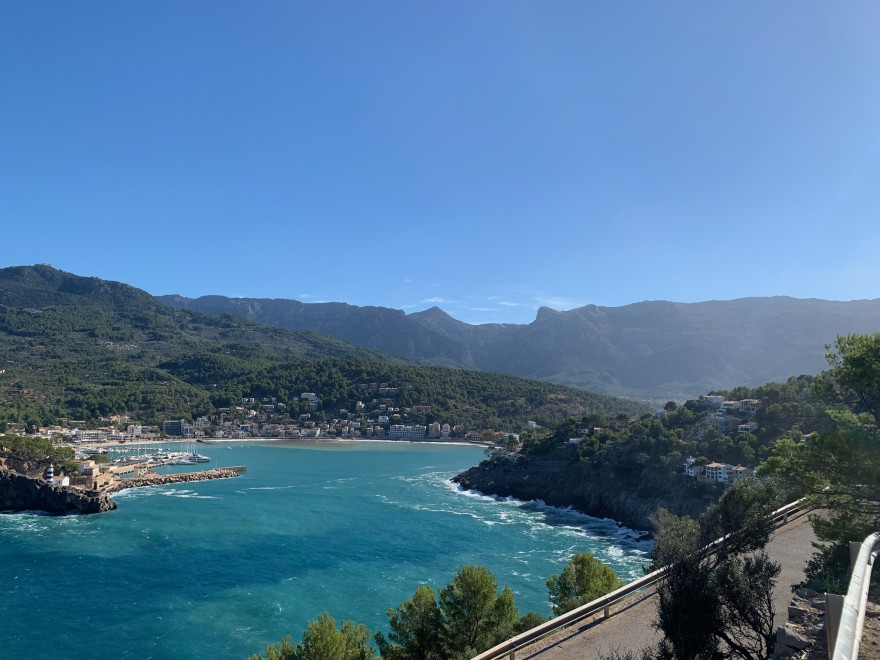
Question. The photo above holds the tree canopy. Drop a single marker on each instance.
(583, 579)
(838, 470)
(323, 640)
(719, 604)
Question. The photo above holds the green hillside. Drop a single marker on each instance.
(84, 348)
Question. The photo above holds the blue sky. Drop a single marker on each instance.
(487, 157)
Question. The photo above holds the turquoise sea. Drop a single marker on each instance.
(220, 569)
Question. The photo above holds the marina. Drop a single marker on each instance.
(133, 467)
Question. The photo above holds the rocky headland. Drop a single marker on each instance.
(22, 493)
(19, 492)
(577, 485)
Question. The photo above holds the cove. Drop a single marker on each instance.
(223, 568)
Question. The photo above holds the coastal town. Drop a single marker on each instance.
(267, 418)
(270, 418)
(116, 454)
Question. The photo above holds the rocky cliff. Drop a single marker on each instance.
(576, 485)
(21, 493)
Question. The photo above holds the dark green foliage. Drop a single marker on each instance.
(838, 470)
(83, 348)
(475, 617)
(584, 579)
(416, 628)
(283, 650)
(472, 398)
(528, 621)
(462, 620)
(742, 516)
(827, 570)
(719, 605)
(322, 640)
(645, 455)
(37, 453)
(855, 374)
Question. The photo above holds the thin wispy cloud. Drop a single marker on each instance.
(559, 302)
(508, 303)
(437, 300)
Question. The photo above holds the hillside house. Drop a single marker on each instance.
(719, 472)
(741, 472)
(750, 407)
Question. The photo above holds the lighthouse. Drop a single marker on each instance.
(50, 474)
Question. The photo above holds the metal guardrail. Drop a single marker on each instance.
(511, 646)
(846, 614)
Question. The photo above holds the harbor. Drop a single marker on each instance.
(120, 468)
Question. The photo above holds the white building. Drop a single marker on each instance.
(82, 435)
(719, 472)
(401, 431)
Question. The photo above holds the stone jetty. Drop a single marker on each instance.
(154, 479)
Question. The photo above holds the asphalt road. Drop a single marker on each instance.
(630, 626)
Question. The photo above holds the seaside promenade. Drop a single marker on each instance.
(630, 626)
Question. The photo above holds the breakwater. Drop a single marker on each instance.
(154, 479)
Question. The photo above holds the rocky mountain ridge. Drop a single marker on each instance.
(651, 350)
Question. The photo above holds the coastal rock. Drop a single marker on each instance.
(804, 636)
(22, 493)
(573, 484)
(790, 637)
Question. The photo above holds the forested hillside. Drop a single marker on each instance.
(84, 348)
(626, 468)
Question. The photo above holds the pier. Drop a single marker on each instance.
(154, 479)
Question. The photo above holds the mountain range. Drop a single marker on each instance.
(86, 348)
(654, 350)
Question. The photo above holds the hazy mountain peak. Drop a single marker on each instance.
(547, 313)
(435, 314)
